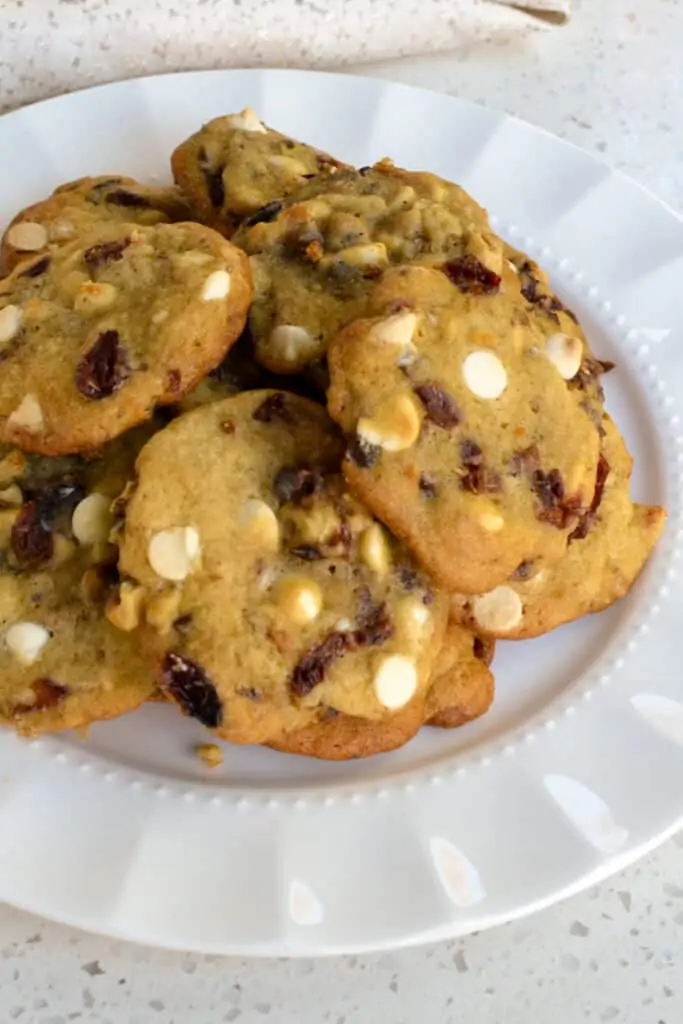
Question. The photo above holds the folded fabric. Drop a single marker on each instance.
(55, 46)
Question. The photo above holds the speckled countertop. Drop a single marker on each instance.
(611, 82)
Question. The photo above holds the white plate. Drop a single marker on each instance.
(577, 768)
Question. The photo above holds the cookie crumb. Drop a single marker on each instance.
(210, 753)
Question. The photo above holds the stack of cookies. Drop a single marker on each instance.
(291, 445)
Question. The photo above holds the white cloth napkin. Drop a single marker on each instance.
(57, 45)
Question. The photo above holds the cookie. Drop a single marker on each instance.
(605, 555)
(463, 434)
(316, 260)
(97, 334)
(76, 208)
(270, 593)
(62, 663)
(461, 689)
(235, 168)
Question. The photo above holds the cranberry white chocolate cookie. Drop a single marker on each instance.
(605, 554)
(461, 689)
(317, 256)
(62, 663)
(98, 333)
(75, 208)
(464, 435)
(235, 166)
(269, 593)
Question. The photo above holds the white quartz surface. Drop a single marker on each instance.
(611, 82)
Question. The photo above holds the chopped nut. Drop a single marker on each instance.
(62, 549)
(374, 549)
(161, 611)
(289, 164)
(12, 466)
(8, 517)
(94, 296)
(260, 524)
(299, 598)
(374, 254)
(395, 425)
(27, 416)
(124, 609)
(11, 497)
(173, 553)
(316, 525)
(10, 322)
(210, 753)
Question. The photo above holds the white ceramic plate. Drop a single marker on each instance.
(575, 771)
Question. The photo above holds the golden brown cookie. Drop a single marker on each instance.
(235, 168)
(463, 434)
(62, 663)
(605, 555)
(97, 334)
(270, 593)
(75, 208)
(317, 256)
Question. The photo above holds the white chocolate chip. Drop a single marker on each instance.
(395, 681)
(247, 121)
(173, 553)
(162, 610)
(299, 598)
(216, 286)
(266, 578)
(10, 322)
(484, 374)
(499, 611)
(260, 522)
(491, 521)
(27, 236)
(93, 296)
(343, 626)
(92, 520)
(513, 267)
(395, 425)
(26, 641)
(565, 353)
(396, 330)
(60, 230)
(288, 164)
(291, 345)
(192, 258)
(374, 549)
(412, 617)
(28, 415)
(159, 315)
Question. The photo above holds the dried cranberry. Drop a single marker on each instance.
(439, 406)
(31, 537)
(407, 577)
(122, 197)
(104, 252)
(214, 181)
(273, 409)
(58, 500)
(183, 624)
(173, 382)
(588, 520)
(48, 694)
(266, 214)
(556, 508)
(526, 461)
(483, 649)
(589, 373)
(374, 623)
(104, 369)
(471, 276)
(37, 268)
(294, 484)
(249, 693)
(477, 479)
(427, 485)
(311, 668)
(363, 454)
(188, 684)
(95, 193)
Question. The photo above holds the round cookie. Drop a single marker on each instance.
(75, 208)
(270, 593)
(605, 555)
(235, 168)
(316, 260)
(463, 435)
(62, 663)
(461, 689)
(98, 333)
